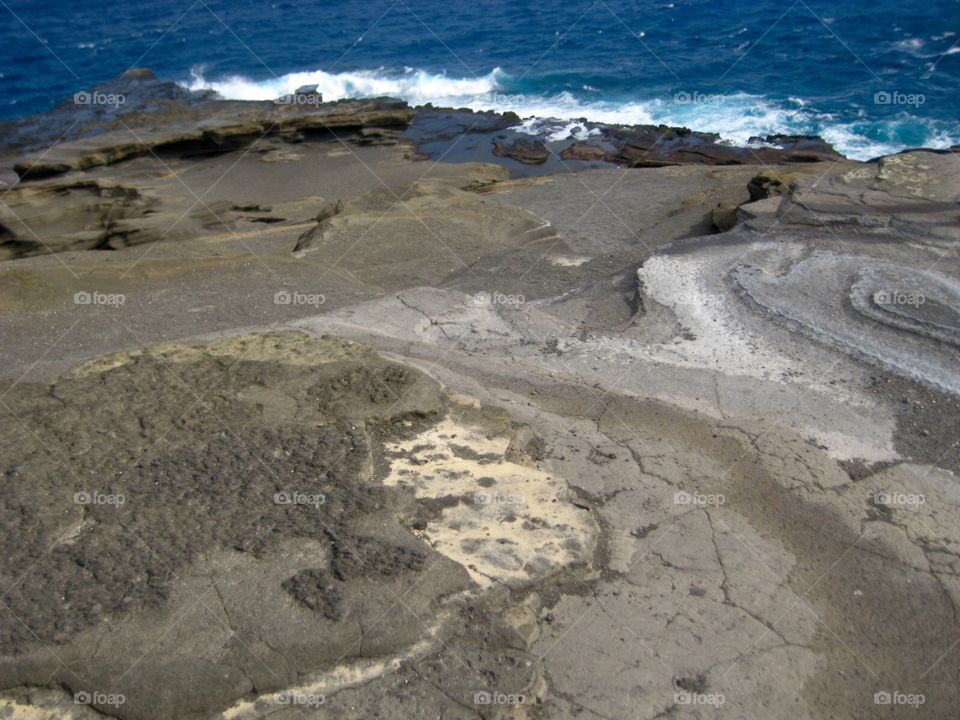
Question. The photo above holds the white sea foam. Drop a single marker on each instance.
(414, 86)
(736, 118)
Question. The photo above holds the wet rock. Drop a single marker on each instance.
(656, 146)
(432, 123)
(529, 151)
(585, 152)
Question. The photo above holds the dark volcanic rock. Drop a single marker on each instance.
(316, 590)
(529, 151)
(130, 98)
(136, 114)
(768, 183)
(445, 133)
(208, 540)
(358, 556)
(433, 123)
(584, 151)
(650, 146)
(378, 136)
(315, 234)
(724, 217)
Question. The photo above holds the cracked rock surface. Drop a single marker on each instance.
(393, 439)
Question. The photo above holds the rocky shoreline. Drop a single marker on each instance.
(327, 410)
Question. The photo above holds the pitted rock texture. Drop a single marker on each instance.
(190, 477)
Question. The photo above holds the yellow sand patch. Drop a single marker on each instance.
(569, 260)
(12, 710)
(513, 523)
(290, 348)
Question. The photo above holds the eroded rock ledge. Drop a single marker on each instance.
(248, 543)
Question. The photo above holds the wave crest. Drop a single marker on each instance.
(415, 86)
(736, 117)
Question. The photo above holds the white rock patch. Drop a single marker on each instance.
(514, 523)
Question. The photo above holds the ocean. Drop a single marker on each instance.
(872, 78)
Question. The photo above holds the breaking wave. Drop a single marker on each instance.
(736, 117)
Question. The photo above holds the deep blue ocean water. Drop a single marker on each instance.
(872, 77)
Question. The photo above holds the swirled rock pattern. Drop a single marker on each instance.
(445, 443)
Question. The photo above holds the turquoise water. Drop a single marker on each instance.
(872, 78)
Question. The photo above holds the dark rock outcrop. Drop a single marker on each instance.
(133, 98)
(724, 217)
(136, 115)
(529, 151)
(226, 126)
(585, 152)
(77, 215)
(650, 146)
(457, 136)
(768, 183)
(282, 526)
(433, 124)
(315, 234)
